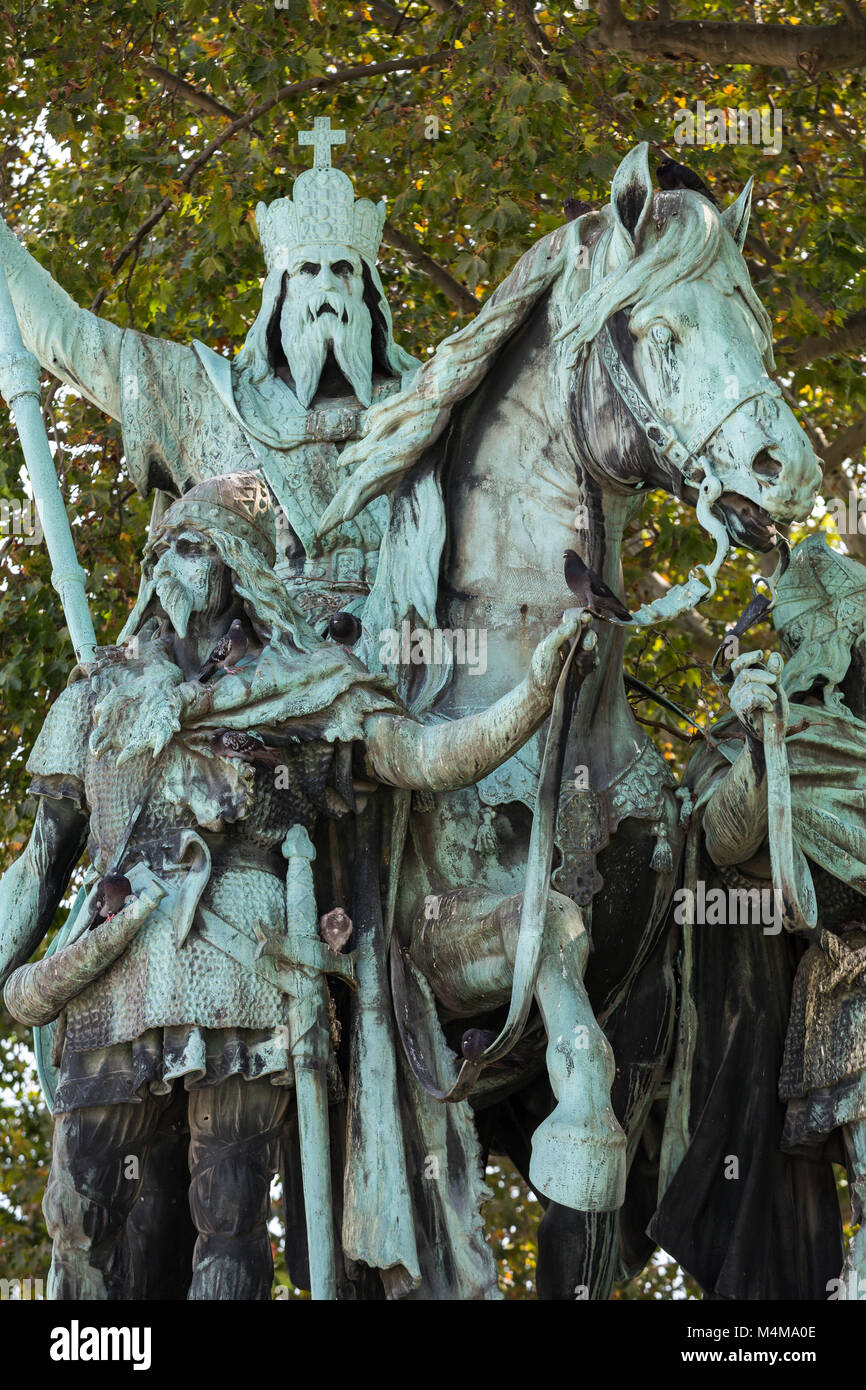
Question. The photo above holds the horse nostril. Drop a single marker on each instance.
(765, 466)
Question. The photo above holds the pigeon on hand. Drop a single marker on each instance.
(237, 743)
(344, 628)
(111, 894)
(227, 652)
(335, 928)
(592, 591)
(672, 175)
(474, 1042)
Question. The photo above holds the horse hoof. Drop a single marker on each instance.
(582, 1170)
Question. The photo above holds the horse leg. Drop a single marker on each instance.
(577, 1254)
(466, 949)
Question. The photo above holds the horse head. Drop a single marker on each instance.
(670, 353)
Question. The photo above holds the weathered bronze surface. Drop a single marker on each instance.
(395, 902)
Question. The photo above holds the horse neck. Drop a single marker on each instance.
(518, 495)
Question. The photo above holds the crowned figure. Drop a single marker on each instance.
(320, 352)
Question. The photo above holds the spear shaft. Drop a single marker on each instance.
(19, 386)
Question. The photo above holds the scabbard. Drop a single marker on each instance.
(309, 1041)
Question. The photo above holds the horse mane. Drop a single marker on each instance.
(685, 240)
(401, 428)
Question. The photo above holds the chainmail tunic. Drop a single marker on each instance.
(162, 1011)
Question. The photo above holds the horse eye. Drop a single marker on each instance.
(661, 335)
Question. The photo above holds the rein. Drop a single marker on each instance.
(408, 1012)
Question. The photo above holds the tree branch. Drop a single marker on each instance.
(811, 47)
(442, 279)
(307, 84)
(853, 11)
(172, 83)
(849, 337)
(844, 446)
(390, 11)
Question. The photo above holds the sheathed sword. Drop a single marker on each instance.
(19, 385)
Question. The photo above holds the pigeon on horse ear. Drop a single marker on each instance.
(671, 175)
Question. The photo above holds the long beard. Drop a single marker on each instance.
(308, 336)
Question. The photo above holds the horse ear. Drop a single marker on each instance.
(736, 217)
(631, 193)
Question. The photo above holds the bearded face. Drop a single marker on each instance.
(324, 311)
(190, 577)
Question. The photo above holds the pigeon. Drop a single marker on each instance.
(111, 894)
(474, 1042)
(335, 928)
(237, 743)
(672, 175)
(344, 628)
(573, 208)
(227, 652)
(592, 592)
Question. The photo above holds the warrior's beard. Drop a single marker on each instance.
(321, 323)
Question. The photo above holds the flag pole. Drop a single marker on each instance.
(19, 386)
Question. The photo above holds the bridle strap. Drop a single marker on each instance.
(664, 440)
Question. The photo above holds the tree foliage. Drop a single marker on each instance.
(136, 140)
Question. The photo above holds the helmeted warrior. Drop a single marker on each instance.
(214, 797)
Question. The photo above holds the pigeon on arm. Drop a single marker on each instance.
(591, 590)
(227, 653)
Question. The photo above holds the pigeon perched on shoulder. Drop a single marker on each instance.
(672, 175)
(227, 652)
(344, 628)
(111, 894)
(592, 591)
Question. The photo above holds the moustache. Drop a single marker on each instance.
(176, 600)
(328, 322)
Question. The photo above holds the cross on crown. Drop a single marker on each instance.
(321, 137)
(322, 210)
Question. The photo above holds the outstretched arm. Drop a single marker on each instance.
(442, 757)
(75, 345)
(32, 887)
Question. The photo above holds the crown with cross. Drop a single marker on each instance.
(323, 209)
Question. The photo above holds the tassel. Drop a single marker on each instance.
(486, 840)
(663, 860)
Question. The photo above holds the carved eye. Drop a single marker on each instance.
(661, 336)
(310, 268)
(342, 268)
